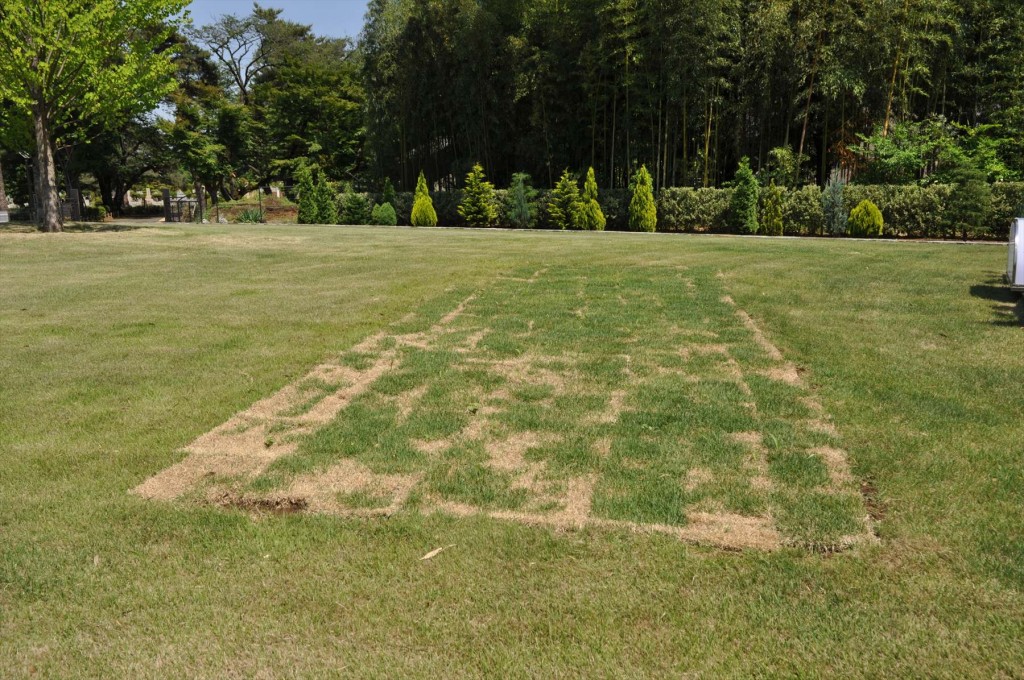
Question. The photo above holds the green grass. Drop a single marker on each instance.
(119, 348)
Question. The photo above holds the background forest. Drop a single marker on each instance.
(880, 92)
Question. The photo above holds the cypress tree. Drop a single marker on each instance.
(643, 212)
(564, 203)
(308, 211)
(833, 204)
(353, 208)
(423, 213)
(384, 215)
(591, 215)
(522, 209)
(478, 206)
(744, 199)
(773, 223)
(324, 202)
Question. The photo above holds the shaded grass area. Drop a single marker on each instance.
(120, 348)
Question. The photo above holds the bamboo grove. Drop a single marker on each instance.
(687, 87)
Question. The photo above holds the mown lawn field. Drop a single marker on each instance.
(225, 450)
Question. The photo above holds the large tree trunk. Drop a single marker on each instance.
(46, 174)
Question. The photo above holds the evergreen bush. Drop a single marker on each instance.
(388, 193)
(772, 222)
(969, 208)
(643, 212)
(564, 204)
(866, 221)
(423, 214)
(591, 216)
(324, 203)
(478, 207)
(384, 215)
(353, 208)
(306, 190)
(744, 199)
(521, 203)
(833, 207)
(802, 211)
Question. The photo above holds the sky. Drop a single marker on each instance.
(334, 18)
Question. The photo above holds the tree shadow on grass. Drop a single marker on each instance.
(1009, 306)
(101, 227)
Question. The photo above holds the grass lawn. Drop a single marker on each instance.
(224, 450)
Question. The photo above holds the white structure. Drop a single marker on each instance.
(1015, 266)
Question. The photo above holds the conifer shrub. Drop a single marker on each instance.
(591, 216)
(564, 204)
(521, 203)
(833, 207)
(384, 215)
(309, 212)
(353, 208)
(325, 205)
(388, 193)
(866, 221)
(423, 214)
(772, 222)
(643, 212)
(478, 207)
(745, 199)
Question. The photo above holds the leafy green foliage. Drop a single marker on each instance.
(772, 223)
(744, 199)
(251, 216)
(326, 207)
(388, 192)
(353, 208)
(591, 216)
(833, 205)
(479, 207)
(643, 212)
(309, 209)
(75, 64)
(521, 203)
(564, 209)
(423, 214)
(802, 211)
(866, 221)
(384, 215)
(785, 168)
(969, 208)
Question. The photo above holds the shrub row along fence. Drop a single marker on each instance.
(909, 211)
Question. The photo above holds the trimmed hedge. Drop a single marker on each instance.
(909, 211)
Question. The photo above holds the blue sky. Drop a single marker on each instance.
(335, 18)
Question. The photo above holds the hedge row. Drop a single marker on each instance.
(909, 211)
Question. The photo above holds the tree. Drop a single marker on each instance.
(643, 212)
(866, 220)
(309, 211)
(744, 199)
(522, 202)
(591, 216)
(772, 221)
(384, 215)
(833, 205)
(325, 206)
(564, 203)
(353, 208)
(71, 62)
(423, 213)
(478, 206)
